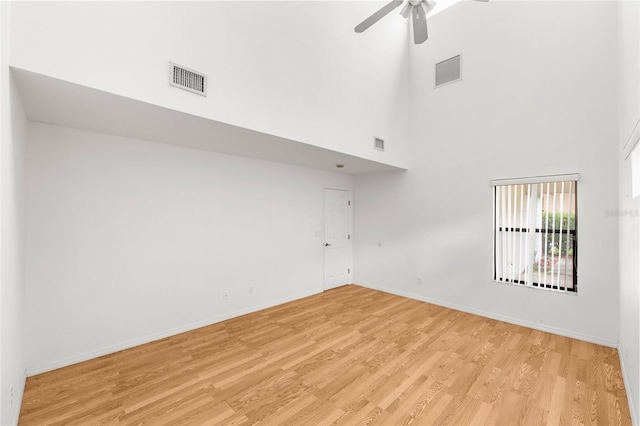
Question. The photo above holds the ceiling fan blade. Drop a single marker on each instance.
(420, 34)
(429, 5)
(406, 10)
(378, 15)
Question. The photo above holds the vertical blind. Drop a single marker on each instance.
(535, 238)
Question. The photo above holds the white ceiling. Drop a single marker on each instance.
(53, 101)
(442, 5)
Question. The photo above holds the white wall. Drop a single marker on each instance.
(537, 97)
(12, 141)
(629, 208)
(291, 69)
(131, 240)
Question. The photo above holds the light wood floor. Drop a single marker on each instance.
(347, 356)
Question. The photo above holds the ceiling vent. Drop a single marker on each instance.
(448, 71)
(378, 144)
(187, 79)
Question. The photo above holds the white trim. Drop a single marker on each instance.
(537, 179)
(504, 318)
(338, 188)
(632, 142)
(626, 380)
(17, 400)
(533, 287)
(65, 362)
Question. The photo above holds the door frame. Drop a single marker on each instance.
(350, 222)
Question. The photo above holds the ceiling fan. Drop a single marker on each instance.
(417, 9)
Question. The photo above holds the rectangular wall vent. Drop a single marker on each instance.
(378, 144)
(448, 71)
(187, 79)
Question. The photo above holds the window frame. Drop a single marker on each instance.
(524, 231)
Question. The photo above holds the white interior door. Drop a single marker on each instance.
(337, 238)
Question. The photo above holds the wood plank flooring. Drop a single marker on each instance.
(347, 356)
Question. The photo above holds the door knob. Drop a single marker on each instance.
(327, 244)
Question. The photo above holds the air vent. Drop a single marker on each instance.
(378, 144)
(448, 71)
(187, 79)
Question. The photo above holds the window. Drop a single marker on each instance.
(535, 233)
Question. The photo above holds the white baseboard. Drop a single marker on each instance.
(65, 362)
(542, 327)
(15, 415)
(626, 379)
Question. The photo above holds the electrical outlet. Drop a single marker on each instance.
(225, 296)
(11, 396)
(250, 289)
(419, 281)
